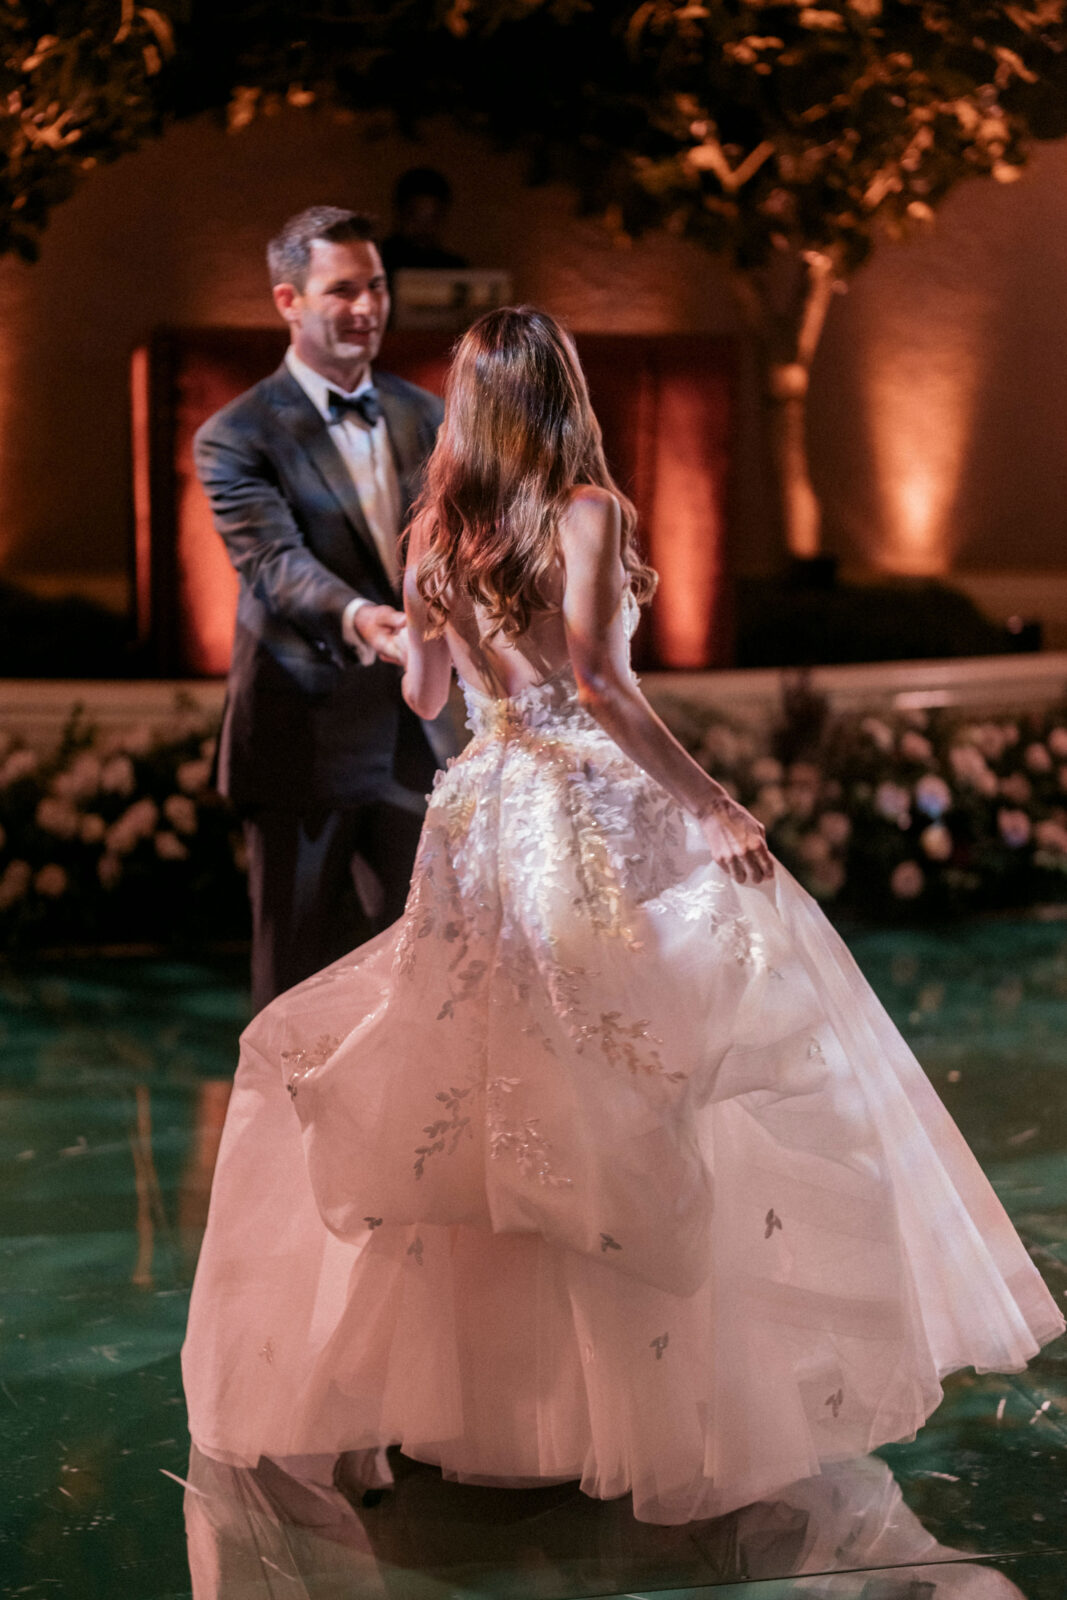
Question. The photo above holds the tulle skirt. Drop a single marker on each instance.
(596, 1166)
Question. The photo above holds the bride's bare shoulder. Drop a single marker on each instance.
(586, 497)
(590, 512)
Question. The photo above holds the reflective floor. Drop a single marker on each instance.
(113, 1082)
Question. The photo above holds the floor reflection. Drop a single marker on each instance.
(847, 1534)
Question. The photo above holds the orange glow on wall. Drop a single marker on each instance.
(207, 585)
(140, 410)
(922, 402)
(688, 519)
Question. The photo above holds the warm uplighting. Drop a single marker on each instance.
(140, 433)
(921, 412)
(207, 584)
(687, 531)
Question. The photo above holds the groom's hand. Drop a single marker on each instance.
(384, 630)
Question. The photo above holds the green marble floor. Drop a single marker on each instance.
(113, 1081)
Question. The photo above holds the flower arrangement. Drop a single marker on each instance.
(118, 839)
(124, 840)
(917, 811)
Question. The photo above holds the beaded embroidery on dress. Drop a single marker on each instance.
(595, 1165)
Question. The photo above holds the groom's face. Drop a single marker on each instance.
(337, 320)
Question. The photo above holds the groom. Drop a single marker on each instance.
(311, 475)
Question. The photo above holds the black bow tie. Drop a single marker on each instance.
(366, 404)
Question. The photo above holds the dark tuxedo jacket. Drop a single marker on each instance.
(305, 725)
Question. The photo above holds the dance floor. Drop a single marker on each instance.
(113, 1079)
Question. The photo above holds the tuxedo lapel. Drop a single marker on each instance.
(300, 417)
(409, 447)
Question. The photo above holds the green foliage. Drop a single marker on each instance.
(750, 125)
(79, 84)
(800, 128)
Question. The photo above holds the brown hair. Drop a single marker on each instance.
(518, 435)
(289, 252)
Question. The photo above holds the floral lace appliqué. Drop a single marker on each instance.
(518, 1137)
(305, 1060)
(445, 1132)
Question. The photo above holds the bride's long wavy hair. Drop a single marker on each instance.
(518, 435)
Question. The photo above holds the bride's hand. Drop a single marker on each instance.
(737, 841)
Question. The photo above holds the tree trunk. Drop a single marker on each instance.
(785, 306)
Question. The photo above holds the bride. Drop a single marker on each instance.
(603, 1163)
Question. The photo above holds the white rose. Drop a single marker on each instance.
(14, 881)
(193, 776)
(933, 797)
(1051, 835)
(814, 849)
(169, 847)
(57, 817)
(180, 812)
(826, 880)
(891, 801)
(136, 823)
(1037, 757)
(915, 747)
(118, 776)
(936, 842)
(93, 828)
(1016, 786)
(81, 780)
(142, 817)
(969, 767)
(805, 773)
(1014, 828)
(51, 881)
(907, 880)
(835, 828)
(769, 805)
(19, 764)
(879, 733)
(85, 775)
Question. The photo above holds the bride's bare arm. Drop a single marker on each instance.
(428, 673)
(590, 539)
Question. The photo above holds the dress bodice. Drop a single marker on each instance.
(547, 707)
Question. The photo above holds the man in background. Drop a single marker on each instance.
(311, 475)
(422, 200)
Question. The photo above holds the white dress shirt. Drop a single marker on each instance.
(368, 455)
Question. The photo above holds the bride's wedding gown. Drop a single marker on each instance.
(595, 1165)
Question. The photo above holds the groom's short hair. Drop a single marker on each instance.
(289, 252)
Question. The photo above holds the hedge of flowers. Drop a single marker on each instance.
(118, 839)
(921, 811)
(123, 840)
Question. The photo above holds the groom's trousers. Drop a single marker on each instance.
(323, 881)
